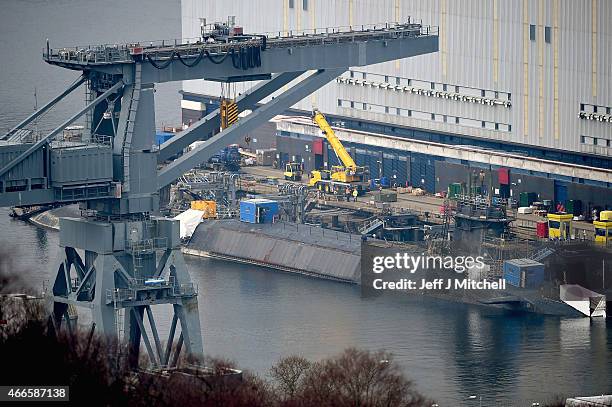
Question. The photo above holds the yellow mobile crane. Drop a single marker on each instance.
(341, 177)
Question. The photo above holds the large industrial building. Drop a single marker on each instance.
(518, 98)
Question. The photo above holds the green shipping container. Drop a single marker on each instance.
(574, 207)
(527, 198)
(454, 190)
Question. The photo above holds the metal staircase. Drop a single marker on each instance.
(542, 254)
(371, 226)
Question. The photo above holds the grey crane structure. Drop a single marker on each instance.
(118, 259)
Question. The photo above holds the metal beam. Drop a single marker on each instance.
(211, 122)
(46, 107)
(177, 351)
(358, 52)
(84, 280)
(145, 338)
(234, 133)
(59, 129)
(155, 333)
(170, 339)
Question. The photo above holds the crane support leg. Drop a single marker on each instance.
(247, 124)
(46, 107)
(132, 265)
(211, 122)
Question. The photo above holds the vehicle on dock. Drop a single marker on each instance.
(293, 171)
(340, 178)
(227, 159)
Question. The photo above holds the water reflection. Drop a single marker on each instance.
(450, 350)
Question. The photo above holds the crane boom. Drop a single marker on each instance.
(333, 140)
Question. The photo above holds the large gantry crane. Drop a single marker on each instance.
(118, 259)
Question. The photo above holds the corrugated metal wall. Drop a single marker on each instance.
(486, 46)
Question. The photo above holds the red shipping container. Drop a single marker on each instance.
(503, 174)
(317, 146)
(542, 229)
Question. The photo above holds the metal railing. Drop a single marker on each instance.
(118, 53)
(118, 295)
(146, 245)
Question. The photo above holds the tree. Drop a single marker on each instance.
(289, 373)
(355, 378)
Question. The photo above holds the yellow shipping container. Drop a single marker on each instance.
(559, 226)
(603, 231)
(209, 208)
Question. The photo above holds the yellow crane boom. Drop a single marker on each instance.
(333, 140)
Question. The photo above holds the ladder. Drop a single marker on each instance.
(129, 125)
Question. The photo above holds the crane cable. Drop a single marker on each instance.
(245, 58)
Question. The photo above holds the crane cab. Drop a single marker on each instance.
(348, 175)
(293, 172)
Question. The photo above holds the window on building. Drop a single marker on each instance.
(387, 109)
(496, 95)
(305, 4)
(433, 85)
(365, 106)
(483, 124)
(456, 120)
(291, 3)
(582, 139)
(433, 116)
(594, 109)
(397, 111)
(339, 102)
(352, 105)
(496, 126)
(445, 118)
(397, 81)
(483, 93)
(532, 32)
(363, 75)
(582, 107)
(456, 89)
(386, 78)
(607, 110)
(509, 127)
(547, 34)
(444, 87)
(509, 96)
(352, 74)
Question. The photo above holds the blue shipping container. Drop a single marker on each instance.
(258, 210)
(524, 273)
(162, 136)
